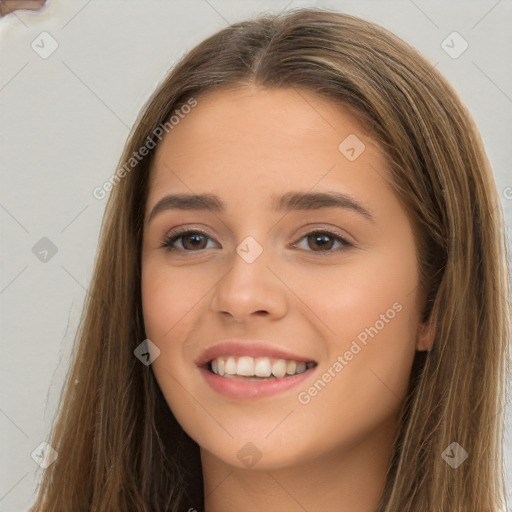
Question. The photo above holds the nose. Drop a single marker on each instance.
(248, 290)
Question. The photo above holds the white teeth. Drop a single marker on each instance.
(262, 367)
(279, 368)
(231, 366)
(245, 366)
(291, 367)
(221, 365)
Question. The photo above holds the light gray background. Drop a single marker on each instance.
(64, 121)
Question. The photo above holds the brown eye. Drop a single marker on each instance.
(323, 241)
(320, 241)
(191, 240)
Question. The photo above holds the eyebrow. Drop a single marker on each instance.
(300, 201)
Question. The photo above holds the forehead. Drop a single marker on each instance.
(253, 140)
(255, 116)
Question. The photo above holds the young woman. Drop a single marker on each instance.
(300, 296)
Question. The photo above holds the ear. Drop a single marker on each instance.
(425, 336)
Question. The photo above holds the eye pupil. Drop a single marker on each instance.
(324, 240)
(196, 238)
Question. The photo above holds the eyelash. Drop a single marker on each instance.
(179, 233)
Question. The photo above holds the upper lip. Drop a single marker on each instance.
(250, 348)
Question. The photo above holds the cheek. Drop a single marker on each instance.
(372, 295)
(169, 299)
(363, 384)
(170, 303)
(372, 322)
(173, 302)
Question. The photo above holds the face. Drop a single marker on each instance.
(327, 281)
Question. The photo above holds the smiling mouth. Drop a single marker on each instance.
(257, 368)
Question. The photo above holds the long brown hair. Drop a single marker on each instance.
(119, 446)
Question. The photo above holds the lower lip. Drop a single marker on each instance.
(236, 388)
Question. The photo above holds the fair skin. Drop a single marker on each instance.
(245, 145)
